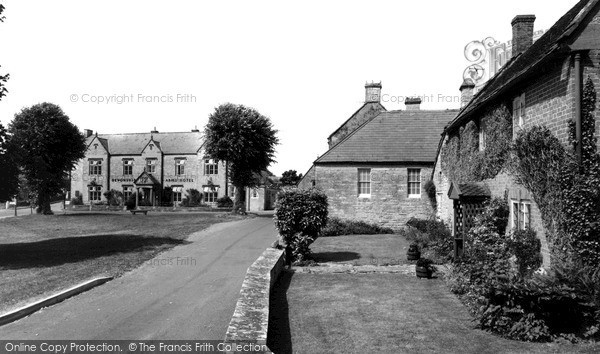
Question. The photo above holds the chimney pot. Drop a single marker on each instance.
(373, 92)
(413, 103)
(154, 131)
(522, 39)
(88, 133)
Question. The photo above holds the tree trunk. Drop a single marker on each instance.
(43, 204)
(239, 203)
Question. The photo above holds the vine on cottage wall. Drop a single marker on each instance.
(462, 160)
(565, 190)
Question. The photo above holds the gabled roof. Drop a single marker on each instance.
(521, 66)
(395, 136)
(134, 143)
(366, 107)
(468, 190)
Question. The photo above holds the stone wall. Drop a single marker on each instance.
(389, 204)
(250, 321)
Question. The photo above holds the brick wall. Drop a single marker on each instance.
(389, 204)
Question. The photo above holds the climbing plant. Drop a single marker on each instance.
(462, 158)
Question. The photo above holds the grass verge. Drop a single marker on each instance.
(387, 313)
(42, 254)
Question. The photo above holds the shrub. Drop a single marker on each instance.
(193, 198)
(225, 202)
(495, 215)
(431, 193)
(525, 245)
(166, 197)
(338, 227)
(299, 218)
(130, 203)
(113, 197)
(78, 200)
(433, 235)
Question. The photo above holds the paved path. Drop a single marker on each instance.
(185, 301)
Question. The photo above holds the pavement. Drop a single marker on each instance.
(188, 292)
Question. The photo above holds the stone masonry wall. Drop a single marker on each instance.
(389, 204)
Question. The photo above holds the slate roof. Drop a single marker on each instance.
(134, 143)
(366, 107)
(394, 136)
(523, 65)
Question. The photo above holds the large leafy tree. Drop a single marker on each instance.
(46, 146)
(245, 139)
(8, 170)
(290, 178)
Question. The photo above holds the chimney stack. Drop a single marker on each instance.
(195, 130)
(522, 39)
(373, 92)
(154, 131)
(88, 133)
(466, 92)
(413, 103)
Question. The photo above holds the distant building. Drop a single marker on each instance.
(148, 163)
(377, 169)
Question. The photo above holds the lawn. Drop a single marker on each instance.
(361, 249)
(382, 313)
(40, 254)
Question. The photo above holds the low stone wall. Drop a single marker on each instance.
(250, 321)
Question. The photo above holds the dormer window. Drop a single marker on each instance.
(151, 165)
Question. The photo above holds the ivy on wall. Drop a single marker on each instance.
(565, 189)
(462, 160)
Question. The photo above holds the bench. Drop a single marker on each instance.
(139, 211)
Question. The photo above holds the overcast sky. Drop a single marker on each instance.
(303, 64)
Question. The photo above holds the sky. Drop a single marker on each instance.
(129, 66)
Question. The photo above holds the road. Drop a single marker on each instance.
(194, 299)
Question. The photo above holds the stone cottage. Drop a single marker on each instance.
(540, 86)
(377, 172)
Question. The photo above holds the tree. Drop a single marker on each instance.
(3, 78)
(290, 178)
(245, 139)
(46, 146)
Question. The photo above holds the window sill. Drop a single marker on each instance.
(364, 196)
(414, 196)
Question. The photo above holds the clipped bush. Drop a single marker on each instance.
(225, 202)
(166, 197)
(339, 227)
(300, 216)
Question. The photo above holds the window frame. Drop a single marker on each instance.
(180, 166)
(519, 112)
(177, 194)
(410, 183)
(211, 197)
(151, 167)
(520, 214)
(361, 172)
(95, 193)
(211, 167)
(127, 166)
(482, 134)
(95, 165)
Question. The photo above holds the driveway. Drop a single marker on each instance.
(188, 292)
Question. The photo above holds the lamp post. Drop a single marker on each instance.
(15, 198)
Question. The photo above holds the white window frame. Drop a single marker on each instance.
(482, 134)
(211, 167)
(95, 167)
(95, 193)
(361, 173)
(519, 112)
(179, 167)
(520, 214)
(177, 192)
(211, 197)
(128, 165)
(127, 192)
(409, 182)
(151, 165)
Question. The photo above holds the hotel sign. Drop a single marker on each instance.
(123, 180)
(180, 180)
